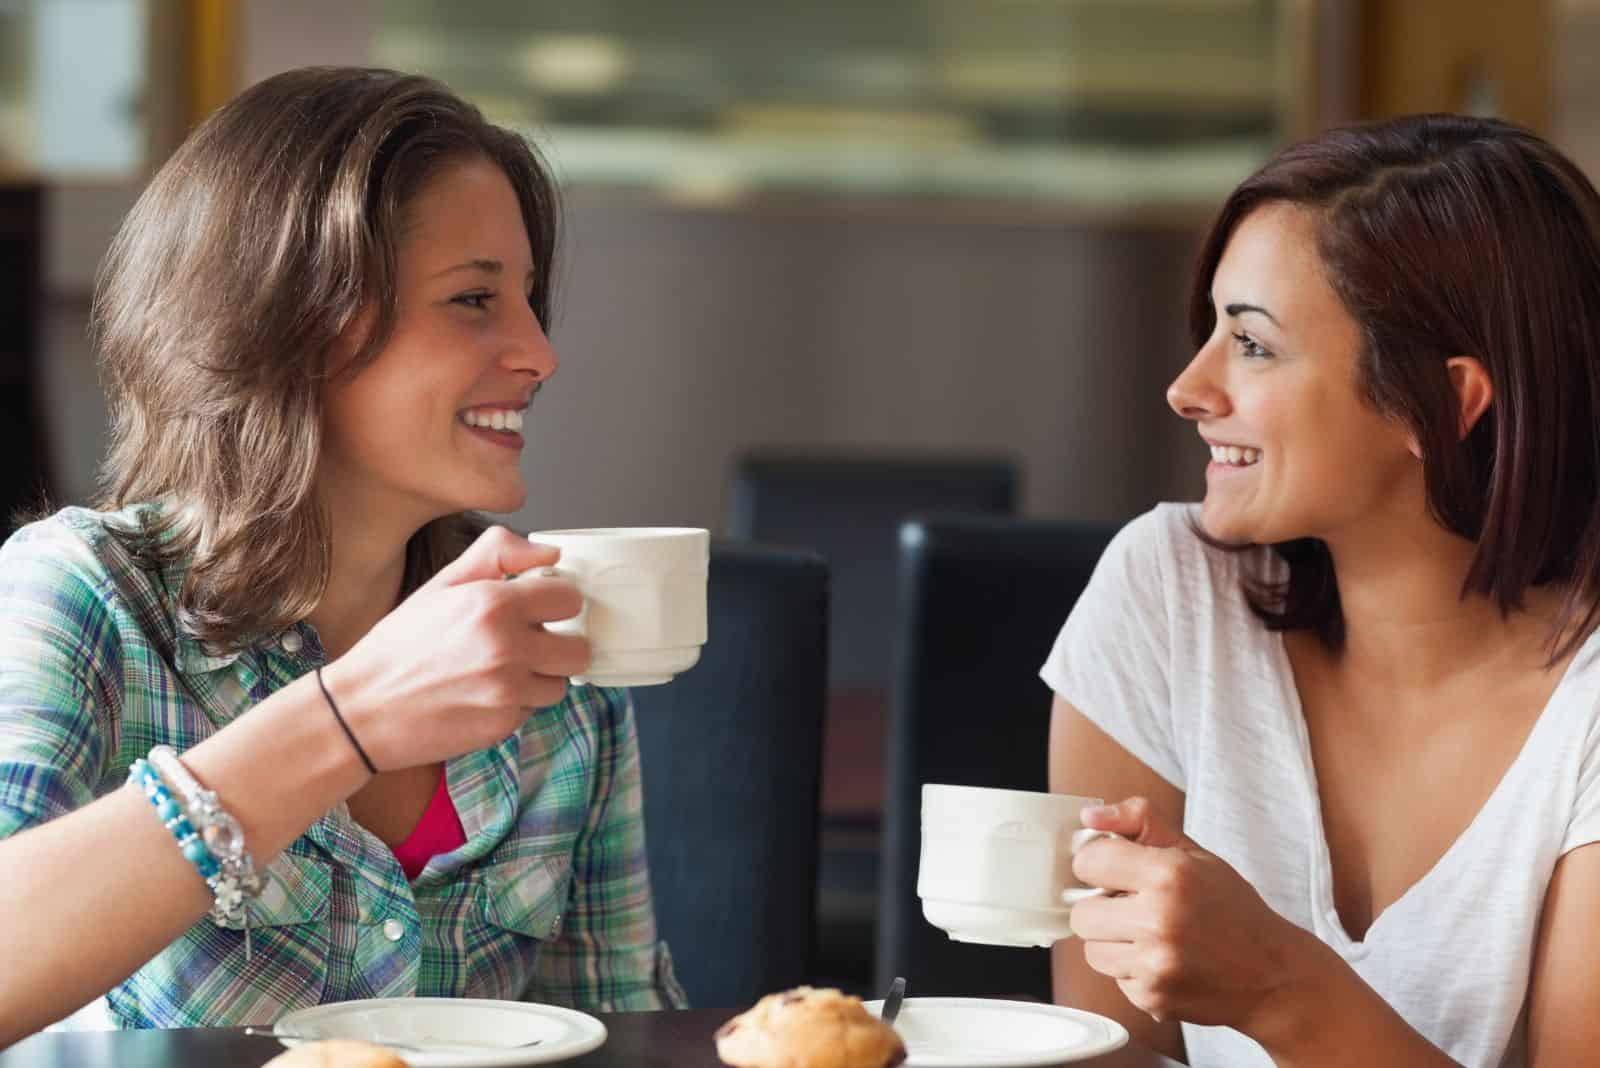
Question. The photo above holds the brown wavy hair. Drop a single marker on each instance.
(216, 312)
(1445, 236)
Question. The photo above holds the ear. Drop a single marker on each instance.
(1474, 391)
(350, 341)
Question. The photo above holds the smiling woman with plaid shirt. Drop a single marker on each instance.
(319, 329)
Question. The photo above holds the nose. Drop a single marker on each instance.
(527, 350)
(1196, 393)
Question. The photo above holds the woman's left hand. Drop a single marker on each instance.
(1186, 937)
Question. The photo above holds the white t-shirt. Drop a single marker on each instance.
(1164, 655)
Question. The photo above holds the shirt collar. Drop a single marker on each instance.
(191, 657)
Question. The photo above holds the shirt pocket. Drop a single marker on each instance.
(519, 905)
(526, 896)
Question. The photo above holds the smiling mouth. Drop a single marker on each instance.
(1235, 456)
(504, 420)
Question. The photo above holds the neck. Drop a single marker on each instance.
(364, 576)
(1407, 625)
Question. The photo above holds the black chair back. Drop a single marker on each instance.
(848, 506)
(982, 600)
(731, 754)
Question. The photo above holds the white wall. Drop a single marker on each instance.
(686, 336)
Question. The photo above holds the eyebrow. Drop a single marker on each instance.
(486, 266)
(1236, 310)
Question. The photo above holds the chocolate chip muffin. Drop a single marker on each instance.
(809, 1028)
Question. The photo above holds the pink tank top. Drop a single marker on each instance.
(439, 831)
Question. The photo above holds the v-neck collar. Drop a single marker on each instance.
(1323, 904)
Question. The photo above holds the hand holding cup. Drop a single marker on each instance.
(463, 661)
(1185, 935)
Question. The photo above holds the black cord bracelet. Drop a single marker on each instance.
(348, 733)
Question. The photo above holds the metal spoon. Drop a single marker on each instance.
(891, 1003)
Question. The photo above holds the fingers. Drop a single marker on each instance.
(1118, 960)
(1134, 818)
(495, 554)
(543, 598)
(543, 691)
(560, 655)
(1107, 919)
(550, 660)
(1117, 865)
(1125, 867)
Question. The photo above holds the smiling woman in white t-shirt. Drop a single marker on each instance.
(1351, 699)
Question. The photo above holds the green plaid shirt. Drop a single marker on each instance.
(548, 900)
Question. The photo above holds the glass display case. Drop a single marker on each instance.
(1086, 102)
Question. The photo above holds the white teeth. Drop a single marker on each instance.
(1235, 455)
(492, 418)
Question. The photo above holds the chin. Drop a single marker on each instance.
(484, 497)
(1226, 526)
(501, 499)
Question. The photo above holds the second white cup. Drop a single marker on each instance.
(996, 865)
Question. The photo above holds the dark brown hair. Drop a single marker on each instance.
(217, 308)
(1452, 236)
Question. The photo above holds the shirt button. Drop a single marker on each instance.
(291, 641)
(393, 930)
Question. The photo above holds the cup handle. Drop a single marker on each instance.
(1080, 838)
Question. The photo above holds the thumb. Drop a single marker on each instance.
(495, 554)
(1137, 820)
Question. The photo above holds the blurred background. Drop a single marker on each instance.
(825, 263)
(953, 225)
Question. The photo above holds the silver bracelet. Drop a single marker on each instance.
(237, 882)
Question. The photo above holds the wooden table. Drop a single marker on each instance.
(637, 1040)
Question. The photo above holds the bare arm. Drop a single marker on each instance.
(1563, 1026)
(90, 897)
(1325, 1015)
(1085, 760)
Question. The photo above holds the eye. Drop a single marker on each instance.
(1251, 348)
(478, 299)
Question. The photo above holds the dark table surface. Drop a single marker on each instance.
(637, 1040)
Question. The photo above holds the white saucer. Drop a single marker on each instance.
(455, 1032)
(986, 1033)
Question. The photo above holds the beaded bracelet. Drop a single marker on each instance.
(216, 848)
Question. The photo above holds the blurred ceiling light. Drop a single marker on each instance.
(820, 122)
(707, 186)
(577, 64)
(1194, 80)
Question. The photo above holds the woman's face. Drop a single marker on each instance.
(431, 426)
(1297, 450)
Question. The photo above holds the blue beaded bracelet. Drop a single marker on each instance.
(171, 814)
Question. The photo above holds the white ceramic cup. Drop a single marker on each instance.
(644, 599)
(996, 865)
